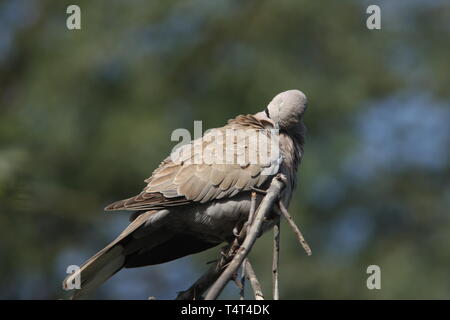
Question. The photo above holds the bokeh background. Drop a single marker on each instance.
(85, 117)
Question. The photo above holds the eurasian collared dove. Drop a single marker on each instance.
(190, 206)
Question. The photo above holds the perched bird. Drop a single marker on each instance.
(190, 206)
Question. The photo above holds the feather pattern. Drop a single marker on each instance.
(174, 184)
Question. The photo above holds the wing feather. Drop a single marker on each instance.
(180, 183)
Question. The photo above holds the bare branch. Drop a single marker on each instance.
(242, 292)
(263, 211)
(235, 255)
(276, 259)
(295, 228)
(251, 275)
(249, 222)
(196, 291)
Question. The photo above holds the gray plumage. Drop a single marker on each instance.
(189, 207)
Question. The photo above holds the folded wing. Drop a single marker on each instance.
(218, 165)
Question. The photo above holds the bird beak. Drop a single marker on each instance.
(262, 116)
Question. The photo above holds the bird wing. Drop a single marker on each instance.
(188, 180)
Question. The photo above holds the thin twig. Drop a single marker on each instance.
(276, 259)
(249, 222)
(196, 291)
(242, 292)
(295, 228)
(263, 211)
(236, 253)
(251, 276)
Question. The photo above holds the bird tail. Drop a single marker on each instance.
(105, 263)
(96, 270)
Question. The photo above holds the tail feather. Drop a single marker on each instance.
(97, 270)
(105, 263)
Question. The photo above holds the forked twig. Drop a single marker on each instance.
(255, 229)
(235, 254)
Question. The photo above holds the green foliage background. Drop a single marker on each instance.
(85, 117)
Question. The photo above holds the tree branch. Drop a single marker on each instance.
(249, 222)
(242, 291)
(235, 254)
(251, 275)
(263, 211)
(276, 259)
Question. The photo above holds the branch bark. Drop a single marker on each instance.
(276, 259)
(244, 264)
(236, 253)
(251, 275)
(242, 292)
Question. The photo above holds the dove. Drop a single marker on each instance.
(190, 206)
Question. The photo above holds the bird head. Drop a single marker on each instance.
(287, 108)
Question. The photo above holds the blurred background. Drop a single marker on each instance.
(86, 115)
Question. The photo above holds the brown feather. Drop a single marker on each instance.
(173, 184)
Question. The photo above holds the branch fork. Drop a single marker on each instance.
(235, 255)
